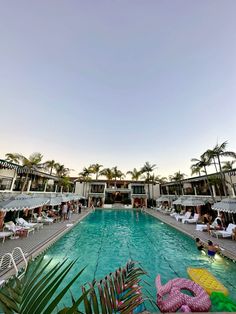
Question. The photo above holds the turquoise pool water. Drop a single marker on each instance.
(107, 239)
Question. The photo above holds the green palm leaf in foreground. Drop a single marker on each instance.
(35, 292)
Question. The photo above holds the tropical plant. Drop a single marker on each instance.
(36, 291)
(119, 292)
(161, 181)
(84, 176)
(135, 174)
(61, 170)
(195, 169)
(50, 165)
(178, 177)
(228, 166)
(30, 164)
(95, 168)
(13, 157)
(220, 151)
(215, 181)
(65, 182)
(116, 173)
(202, 163)
(108, 173)
(148, 169)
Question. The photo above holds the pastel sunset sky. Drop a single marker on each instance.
(117, 82)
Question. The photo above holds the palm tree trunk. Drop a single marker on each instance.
(215, 164)
(83, 189)
(209, 186)
(232, 185)
(25, 182)
(222, 177)
(148, 186)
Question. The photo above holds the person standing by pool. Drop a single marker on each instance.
(80, 207)
(64, 211)
(91, 205)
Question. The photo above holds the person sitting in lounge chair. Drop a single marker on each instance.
(216, 225)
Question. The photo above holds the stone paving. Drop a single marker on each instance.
(227, 245)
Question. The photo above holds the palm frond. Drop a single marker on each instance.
(120, 292)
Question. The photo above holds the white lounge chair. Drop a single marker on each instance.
(17, 229)
(23, 223)
(225, 233)
(201, 227)
(4, 235)
(191, 220)
(187, 215)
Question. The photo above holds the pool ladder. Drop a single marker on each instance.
(9, 260)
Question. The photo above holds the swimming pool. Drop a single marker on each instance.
(107, 239)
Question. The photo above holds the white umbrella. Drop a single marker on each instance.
(21, 202)
(226, 205)
(193, 201)
(166, 198)
(53, 200)
(179, 200)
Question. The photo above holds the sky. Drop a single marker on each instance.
(117, 82)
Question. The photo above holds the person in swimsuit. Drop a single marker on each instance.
(199, 244)
(212, 249)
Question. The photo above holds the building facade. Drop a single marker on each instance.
(111, 193)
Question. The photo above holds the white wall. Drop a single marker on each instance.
(7, 173)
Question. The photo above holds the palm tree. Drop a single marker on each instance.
(161, 181)
(30, 164)
(61, 170)
(195, 169)
(153, 180)
(50, 165)
(228, 166)
(202, 163)
(13, 157)
(148, 168)
(95, 168)
(65, 182)
(85, 177)
(210, 154)
(220, 151)
(108, 173)
(178, 178)
(117, 173)
(135, 174)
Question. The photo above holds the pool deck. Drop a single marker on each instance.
(227, 245)
(39, 241)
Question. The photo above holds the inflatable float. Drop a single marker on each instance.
(206, 280)
(170, 298)
(221, 303)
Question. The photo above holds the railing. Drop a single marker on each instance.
(10, 260)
